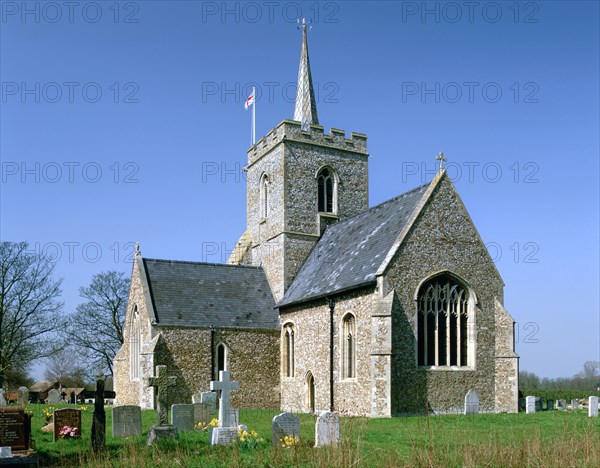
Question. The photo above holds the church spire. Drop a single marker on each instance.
(306, 107)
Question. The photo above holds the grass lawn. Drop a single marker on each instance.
(555, 438)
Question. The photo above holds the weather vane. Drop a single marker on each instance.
(440, 157)
(303, 23)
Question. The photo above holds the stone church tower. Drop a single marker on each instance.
(286, 169)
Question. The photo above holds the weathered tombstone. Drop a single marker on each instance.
(162, 430)
(126, 421)
(562, 405)
(538, 404)
(575, 404)
(471, 402)
(2, 399)
(53, 397)
(530, 404)
(285, 424)
(201, 413)
(23, 397)
(327, 429)
(210, 399)
(182, 417)
(99, 418)
(67, 417)
(197, 398)
(226, 431)
(15, 429)
(522, 404)
(550, 405)
(593, 407)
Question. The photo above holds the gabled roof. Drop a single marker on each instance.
(193, 294)
(42, 386)
(350, 253)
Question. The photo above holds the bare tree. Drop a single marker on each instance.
(29, 307)
(64, 367)
(96, 326)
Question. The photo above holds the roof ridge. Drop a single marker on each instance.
(191, 262)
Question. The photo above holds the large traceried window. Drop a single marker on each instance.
(288, 350)
(135, 345)
(264, 196)
(442, 323)
(348, 336)
(327, 188)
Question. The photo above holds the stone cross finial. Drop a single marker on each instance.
(137, 249)
(162, 382)
(440, 157)
(225, 385)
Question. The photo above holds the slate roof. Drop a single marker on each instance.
(190, 294)
(350, 252)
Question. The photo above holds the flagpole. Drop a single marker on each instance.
(254, 117)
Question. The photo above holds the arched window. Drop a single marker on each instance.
(310, 392)
(442, 331)
(135, 345)
(348, 336)
(221, 358)
(264, 196)
(288, 350)
(326, 188)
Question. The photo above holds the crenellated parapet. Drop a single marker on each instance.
(291, 131)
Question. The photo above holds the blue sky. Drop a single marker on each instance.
(124, 122)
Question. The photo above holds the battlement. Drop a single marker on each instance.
(290, 130)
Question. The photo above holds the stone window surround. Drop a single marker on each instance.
(343, 325)
(264, 197)
(336, 183)
(290, 326)
(471, 325)
(225, 356)
(135, 345)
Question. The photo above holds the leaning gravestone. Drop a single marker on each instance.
(201, 413)
(15, 428)
(67, 417)
(327, 429)
(2, 399)
(53, 397)
(162, 382)
(210, 399)
(182, 417)
(126, 421)
(284, 425)
(549, 405)
(530, 405)
(593, 407)
(226, 432)
(574, 404)
(471, 402)
(23, 398)
(561, 405)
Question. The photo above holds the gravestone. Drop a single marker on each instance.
(233, 416)
(327, 429)
(550, 405)
(471, 402)
(285, 424)
(593, 407)
(197, 398)
(182, 417)
(538, 404)
(162, 382)
(561, 405)
(15, 428)
(226, 431)
(67, 417)
(99, 418)
(53, 397)
(210, 399)
(530, 405)
(201, 413)
(575, 404)
(2, 399)
(23, 397)
(126, 421)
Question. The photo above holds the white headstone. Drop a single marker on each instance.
(593, 407)
(210, 399)
(23, 398)
(471, 402)
(2, 399)
(126, 421)
(222, 434)
(327, 429)
(182, 417)
(53, 397)
(530, 404)
(285, 424)
(574, 404)
(561, 405)
(197, 398)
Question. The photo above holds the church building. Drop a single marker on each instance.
(327, 303)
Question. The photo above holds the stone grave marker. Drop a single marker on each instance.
(550, 405)
(471, 402)
(561, 405)
(197, 398)
(15, 428)
(67, 417)
(538, 404)
(23, 398)
(226, 431)
(285, 424)
(99, 418)
(575, 404)
(53, 397)
(126, 421)
(593, 407)
(530, 404)
(327, 429)
(210, 399)
(162, 382)
(182, 417)
(201, 413)
(2, 399)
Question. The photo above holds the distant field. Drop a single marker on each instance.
(542, 439)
